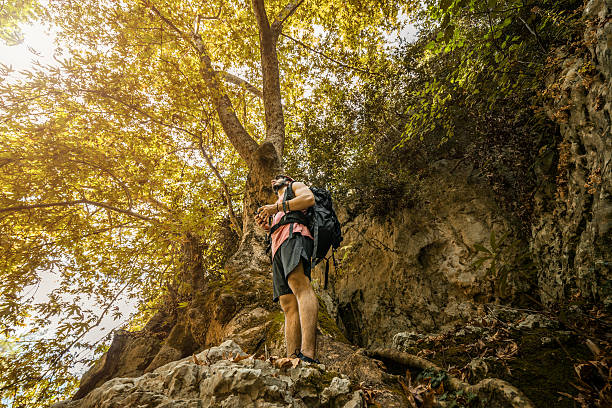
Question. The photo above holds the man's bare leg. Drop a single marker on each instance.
(308, 308)
(293, 335)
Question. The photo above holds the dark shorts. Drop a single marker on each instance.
(295, 249)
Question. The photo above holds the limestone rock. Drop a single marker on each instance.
(128, 355)
(536, 320)
(478, 367)
(403, 340)
(412, 271)
(572, 232)
(216, 378)
(356, 401)
(338, 386)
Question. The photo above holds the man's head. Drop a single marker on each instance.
(280, 181)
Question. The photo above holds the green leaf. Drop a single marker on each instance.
(480, 248)
(445, 20)
(478, 263)
(445, 4)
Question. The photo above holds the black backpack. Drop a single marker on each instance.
(322, 222)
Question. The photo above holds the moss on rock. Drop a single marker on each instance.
(327, 324)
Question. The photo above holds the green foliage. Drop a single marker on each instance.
(433, 377)
(346, 139)
(469, 88)
(490, 53)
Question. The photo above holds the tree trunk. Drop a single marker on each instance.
(251, 256)
(273, 107)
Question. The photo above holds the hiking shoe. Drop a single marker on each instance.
(306, 359)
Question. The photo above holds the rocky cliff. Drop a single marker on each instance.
(414, 270)
(418, 269)
(572, 235)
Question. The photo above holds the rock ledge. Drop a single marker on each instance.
(225, 376)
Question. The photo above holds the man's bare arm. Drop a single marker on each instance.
(303, 197)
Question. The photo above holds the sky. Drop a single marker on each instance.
(37, 39)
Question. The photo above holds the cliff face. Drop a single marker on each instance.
(572, 235)
(415, 270)
(139, 368)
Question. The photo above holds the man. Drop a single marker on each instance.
(292, 246)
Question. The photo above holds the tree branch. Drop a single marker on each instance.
(236, 133)
(125, 188)
(534, 33)
(158, 204)
(309, 48)
(233, 79)
(262, 18)
(75, 202)
(168, 22)
(193, 88)
(198, 137)
(277, 24)
(228, 196)
(138, 110)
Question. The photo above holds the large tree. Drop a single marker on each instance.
(115, 166)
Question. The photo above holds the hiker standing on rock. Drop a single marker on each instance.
(292, 249)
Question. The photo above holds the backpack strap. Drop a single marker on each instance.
(327, 267)
(315, 236)
(290, 218)
(326, 273)
(288, 196)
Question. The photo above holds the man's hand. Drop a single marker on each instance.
(262, 220)
(268, 210)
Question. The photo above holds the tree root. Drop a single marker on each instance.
(503, 390)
